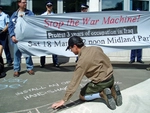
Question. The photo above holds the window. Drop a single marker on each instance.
(39, 6)
(141, 5)
(108, 5)
(9, 6)
(72, 5)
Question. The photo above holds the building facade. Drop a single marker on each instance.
(66, 6)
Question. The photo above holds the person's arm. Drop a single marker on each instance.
(11, 25)
(77, 77)
(11, 28)
(6, 23)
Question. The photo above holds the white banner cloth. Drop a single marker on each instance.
(112, 31)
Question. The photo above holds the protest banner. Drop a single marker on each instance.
(111, 30)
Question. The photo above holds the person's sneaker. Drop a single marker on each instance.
(3, 74)
(106, 95)
(131, 62)
(9, 64)
(148, 68)
(140, 61)
(117, 94)
(42, 66)
(56, 65)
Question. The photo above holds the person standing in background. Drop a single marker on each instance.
(4, 21)
(22, 11)
(84, 8)
(136, 53)
(49, 7)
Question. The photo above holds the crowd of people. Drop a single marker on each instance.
(91, 62)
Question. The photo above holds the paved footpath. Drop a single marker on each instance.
(35, 94)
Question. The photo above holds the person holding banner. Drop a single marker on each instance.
(49, 7)
(4, 21)
(84, 8)
(136, 53)
(22, 11)
(96, 66)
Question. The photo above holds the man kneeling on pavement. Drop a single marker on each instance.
(96, 66)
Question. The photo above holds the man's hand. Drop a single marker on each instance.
(58, 104)
(14, 39)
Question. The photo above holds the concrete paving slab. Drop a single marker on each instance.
(136, 99)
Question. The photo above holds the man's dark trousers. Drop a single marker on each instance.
(5, 44)
(136, 53)
(55, 60)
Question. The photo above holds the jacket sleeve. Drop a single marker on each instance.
(76, 80)
(11, 26)
(30, 13)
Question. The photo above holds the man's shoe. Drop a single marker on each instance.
(148, 69)
(131, 62)
(16, 74)
(56, 65)
(42, 66)
(106, 95)
(117, 94)
(31, 72)
(9, 64)
(3, 74)
(140, 61)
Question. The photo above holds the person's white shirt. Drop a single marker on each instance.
(46, 13)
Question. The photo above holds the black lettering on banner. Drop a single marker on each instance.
(93, 32)
(47, 44)
(31, 44)
(96, 42)
(60, 43)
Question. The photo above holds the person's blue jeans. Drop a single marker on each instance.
(17, 60)
(136, 53)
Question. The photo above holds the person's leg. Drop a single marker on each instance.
(29, 65)
(7, 52)
(2, 71)
(91, 94)
(1, 49)
(139, 56)
(93, 88)
(116, 93)
(17, 60)
(42, 61)
(132, 56)
(100, 90)
(55, 60)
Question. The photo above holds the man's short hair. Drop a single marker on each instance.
(18, 1)
(75, 40)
